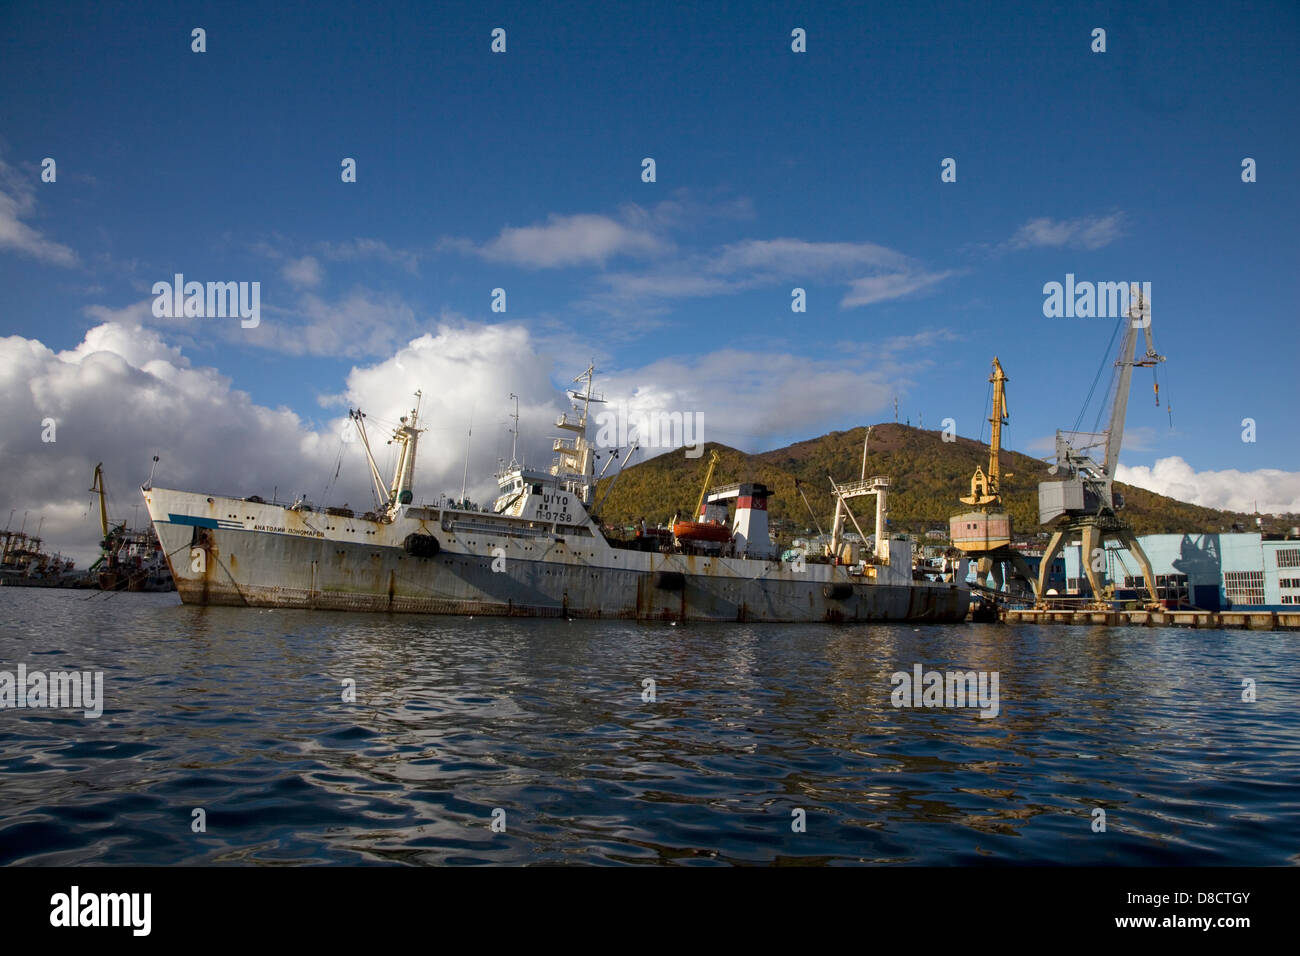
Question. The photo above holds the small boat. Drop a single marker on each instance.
(701, 531)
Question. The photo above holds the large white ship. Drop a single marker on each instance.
(539, 552)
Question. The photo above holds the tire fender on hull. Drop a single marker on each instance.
(421, 546)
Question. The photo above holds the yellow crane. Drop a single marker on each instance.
(708, 477)
(985, 489)
(97, 487)
(985, 534)
(107, 543)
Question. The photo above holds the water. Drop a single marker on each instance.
(238, 712)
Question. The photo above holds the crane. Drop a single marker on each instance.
(985, 489)
(111, 539)
(97, 487)
(986, 532)
(1084, 503)
(714, 458)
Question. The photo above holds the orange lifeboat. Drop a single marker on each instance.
(701, 531)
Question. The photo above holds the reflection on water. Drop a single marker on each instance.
(241, 713)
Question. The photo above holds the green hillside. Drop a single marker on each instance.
(928, 476)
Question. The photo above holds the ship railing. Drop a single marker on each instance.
(496, 528)
(865, 486)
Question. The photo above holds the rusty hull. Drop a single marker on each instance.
(229, 551)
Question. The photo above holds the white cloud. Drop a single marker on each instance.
(463, 369)
(17, 202)
(594, 239)
(875, 272)
(1086, 232)
(754, 263)
(137, 313)
(303, 272)
(1275, 491)
(754, 400)
(362, 324)
(567, 241)
(121, 396)
(628, 286)
(687, 210)
(779, 258)
(355, 249)
(892, 286)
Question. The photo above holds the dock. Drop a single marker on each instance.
(1220, 620)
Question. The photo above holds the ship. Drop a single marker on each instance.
(539, 550)
(24, 563)
(130, 559)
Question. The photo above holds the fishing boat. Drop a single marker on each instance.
(130, 559)
(540, 550)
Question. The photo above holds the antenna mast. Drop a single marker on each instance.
(514, 441)
(469, 433)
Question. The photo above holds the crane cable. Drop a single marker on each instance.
(1097, 378)
(338, 466)
(988, 411)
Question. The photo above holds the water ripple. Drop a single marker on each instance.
(246, 716)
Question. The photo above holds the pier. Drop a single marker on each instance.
(1114, 617)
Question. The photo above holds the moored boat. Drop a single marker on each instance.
(539, 550)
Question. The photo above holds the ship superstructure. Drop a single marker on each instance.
(537, 551)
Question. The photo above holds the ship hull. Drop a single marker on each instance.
(231, 552)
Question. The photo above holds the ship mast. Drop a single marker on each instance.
(574, 456)
(407, 435)
(514, 434)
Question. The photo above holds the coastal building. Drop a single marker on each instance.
(1214, 572)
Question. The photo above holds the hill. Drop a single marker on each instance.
(928, 475)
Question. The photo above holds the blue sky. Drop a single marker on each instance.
(522, 170)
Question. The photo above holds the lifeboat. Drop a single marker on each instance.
(701, 531)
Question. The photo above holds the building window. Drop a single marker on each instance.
(1286, 599)
(1244, 587)
(1288, 558)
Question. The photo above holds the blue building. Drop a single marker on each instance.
(1214, 572)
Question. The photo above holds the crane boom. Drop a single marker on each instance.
(997, 419)
(381, 493)
(1139, 317)
(708, 476)
(97, 486)
(986, 489)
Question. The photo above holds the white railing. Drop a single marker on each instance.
(866, 486)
